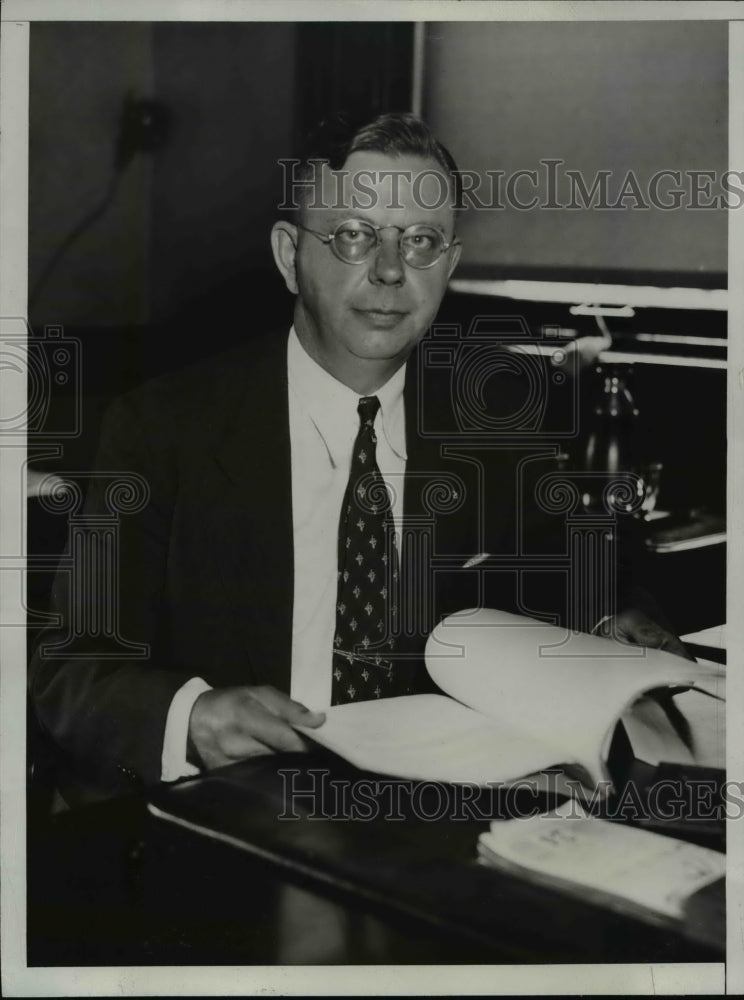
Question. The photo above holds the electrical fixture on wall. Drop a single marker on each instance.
(144, 127)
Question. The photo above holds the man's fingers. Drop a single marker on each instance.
(234, 723)
(636, 628)
(293, 711)
(270, 729)
(674, 645)
(248, 722)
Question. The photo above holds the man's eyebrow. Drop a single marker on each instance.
(354, 215)
(350, 215)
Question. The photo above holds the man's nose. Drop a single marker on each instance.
(387, 264)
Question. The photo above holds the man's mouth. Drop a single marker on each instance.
(384, 310)
(383, 317)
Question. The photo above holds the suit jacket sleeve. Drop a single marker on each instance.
(103, 698)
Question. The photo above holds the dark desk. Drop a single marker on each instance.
(240, 873)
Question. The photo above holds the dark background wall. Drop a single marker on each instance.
(216, 183)
(78, 78)
(183, 218)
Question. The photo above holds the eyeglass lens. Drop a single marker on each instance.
(420, 246)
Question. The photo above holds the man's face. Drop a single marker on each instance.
(367, 317)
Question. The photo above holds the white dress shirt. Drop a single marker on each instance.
(323, 424)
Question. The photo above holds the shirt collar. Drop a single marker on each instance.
(332, 406)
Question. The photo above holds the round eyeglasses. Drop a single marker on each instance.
(354, 241)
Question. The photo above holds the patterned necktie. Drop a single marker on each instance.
(366, 606)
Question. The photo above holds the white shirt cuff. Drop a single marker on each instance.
(173, 762)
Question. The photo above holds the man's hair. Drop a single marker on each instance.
(394, 133)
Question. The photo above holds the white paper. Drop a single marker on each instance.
(568, 689)
(430, 737)
(609, 859)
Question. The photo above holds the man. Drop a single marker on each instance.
(233, 580)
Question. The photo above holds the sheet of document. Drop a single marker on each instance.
(432, 738)
(568, 689)
(605, 859)
(714, 636)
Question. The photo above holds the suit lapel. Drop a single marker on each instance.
(425, 462)
(256, 533)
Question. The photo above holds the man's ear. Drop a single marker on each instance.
(454, 258)
(284, 248)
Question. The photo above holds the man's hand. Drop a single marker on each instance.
(636, 628)
(230, 724)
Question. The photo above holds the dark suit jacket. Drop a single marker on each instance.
(204, 570)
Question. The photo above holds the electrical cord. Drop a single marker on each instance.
(144, 126)
(85, 223)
